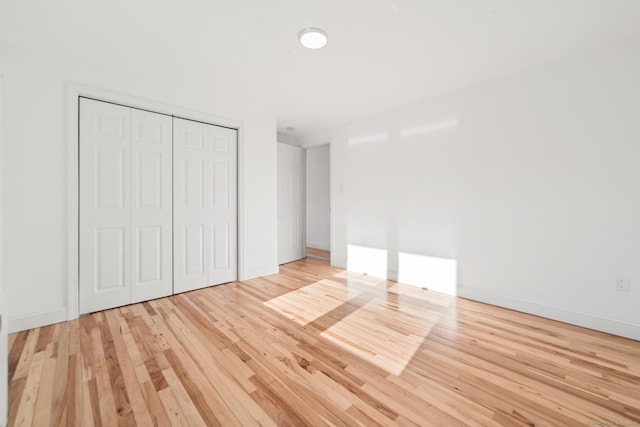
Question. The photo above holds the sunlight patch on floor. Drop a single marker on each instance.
(386, 331)
(367, 332)
(306, 304)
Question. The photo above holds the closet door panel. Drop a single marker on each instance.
(105, 208)
(151, 218)
(205, 224)
(224, 259)
(191, 239)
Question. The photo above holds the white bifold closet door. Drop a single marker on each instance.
(205, 205)
(125, 205)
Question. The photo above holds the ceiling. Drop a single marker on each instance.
(381, 53)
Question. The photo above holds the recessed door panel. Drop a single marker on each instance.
(149, 180)
(221, 246)
(110, 125)
(194, 139)
(221, 144)
(110, 177)
(110, 258)
(150, 130)
(194, 183)
(149, 254)
(194, 249)
(220, 185)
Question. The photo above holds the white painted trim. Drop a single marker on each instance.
(332, 204)
(586, 320)
(315, 141)
(303, 231)
(319, 246)
(338, 262)
(318, 143)
(22, 322)
(72, 136)
(254, 272)
(286, 139)
(75, 90)
(240, 182)
(392, 275)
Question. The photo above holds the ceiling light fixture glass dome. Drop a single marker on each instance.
(313, 38)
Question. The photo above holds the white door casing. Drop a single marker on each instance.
(291, 204)
(205, 205)
(125, 205)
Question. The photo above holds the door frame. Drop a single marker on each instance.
(74, 91)
(317, 142)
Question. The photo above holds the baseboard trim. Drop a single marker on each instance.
(322, 258)
(22, 322)
(319, 246)
(339, 262)
(586, 320)
(252, 273)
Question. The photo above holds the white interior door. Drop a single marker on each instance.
(151, 208)
(291, 203)
(205, 205)
(105, 208)
(125, 205)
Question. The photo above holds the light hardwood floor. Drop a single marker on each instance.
(315, 345)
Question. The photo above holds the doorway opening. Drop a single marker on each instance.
(318, 202)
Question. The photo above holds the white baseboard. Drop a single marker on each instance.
(252, 273)
(392, 275)
(586, 320)
(339, 262)
(22, 322)
(322, 246)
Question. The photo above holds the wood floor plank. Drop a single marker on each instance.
(104, 399)
(157, 410)
(29, 396)
(94, 403)
(43, 410)
(27, 352)
(178, 402)
(60, 382)
(139, 410)
(316, 345)
(194, 385)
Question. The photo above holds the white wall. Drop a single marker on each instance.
(4, 351)
(529, 183)
(35, 167)
(318, 234)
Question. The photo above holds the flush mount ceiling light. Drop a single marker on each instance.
(313, 38)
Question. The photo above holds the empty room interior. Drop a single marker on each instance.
(320, 213)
